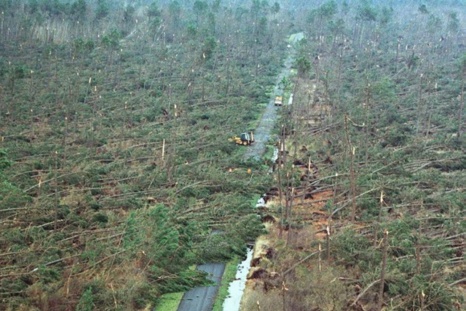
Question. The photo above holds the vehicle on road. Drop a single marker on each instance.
(278, 100)
(245, 139)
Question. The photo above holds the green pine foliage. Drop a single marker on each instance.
(109, 192)
(117, 176)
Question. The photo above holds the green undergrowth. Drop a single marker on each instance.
(228, 276)
(117, 160)
(169, 302)
(268, 152)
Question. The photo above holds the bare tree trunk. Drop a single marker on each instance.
(353, 185)
(381, 206)
(320, 257)
(56, 191)
(367, 127)
(340, 63)
(283, 293)
(460, 112)
(430, 110)
(352, 174)
(397, 55)
(280, 190)
(382, 271)
(419, 106)
(290, 207)
(379, 218)
(64, 139)
(422, 296)
(328, 242)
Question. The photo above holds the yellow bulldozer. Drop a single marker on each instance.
(245, 139)
(278, 100)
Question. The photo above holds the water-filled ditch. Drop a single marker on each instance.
(237, 286)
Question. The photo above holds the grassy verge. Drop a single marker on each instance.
(268, 152)
(228, 276)
(169, 302)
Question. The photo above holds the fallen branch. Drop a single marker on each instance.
(360, 195)
(190, 186)
(86, 232)
(110, 237)
(102, 260)
(54, 262)
(457, 282)
(300, 262)
(364, 291)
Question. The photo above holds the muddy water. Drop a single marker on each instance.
(236, 288)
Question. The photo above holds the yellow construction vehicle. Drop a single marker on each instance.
(245, 139)
(278, 100)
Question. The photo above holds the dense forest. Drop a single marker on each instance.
(117, 174)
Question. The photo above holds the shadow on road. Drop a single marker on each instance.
(202, 298)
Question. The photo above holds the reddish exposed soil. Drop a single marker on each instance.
(316, 219)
